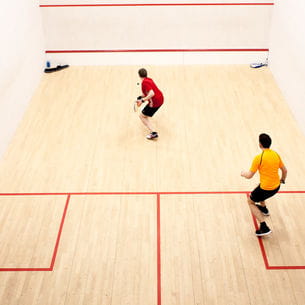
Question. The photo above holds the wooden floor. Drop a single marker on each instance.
(93, 213)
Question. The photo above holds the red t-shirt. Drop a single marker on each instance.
(147, 85)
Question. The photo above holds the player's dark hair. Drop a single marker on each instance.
(142, 72)
(265, 140)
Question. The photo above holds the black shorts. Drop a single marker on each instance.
(259, 194)
(150, 111)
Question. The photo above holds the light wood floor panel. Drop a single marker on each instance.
(286, 245)
(200, 244)
(29, 228)
(80, 134)
(115, 256)
(117, 241)
(107, 256)
(206, 260)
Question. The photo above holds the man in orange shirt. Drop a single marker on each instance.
(267, 163)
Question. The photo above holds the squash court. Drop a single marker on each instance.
(93, 213)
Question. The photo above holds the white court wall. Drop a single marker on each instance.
(21, 62)
(287, 49)
(180, 32)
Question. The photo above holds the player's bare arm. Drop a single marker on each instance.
(148, 97)
(247, 174)
(284, 174)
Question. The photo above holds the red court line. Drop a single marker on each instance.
(33, 194)
(262, 247)
(24, 269)
(59, 232)
(140, 193)
(156, 4)
(260, 240)
(286, 267)
(158, 251)
(124, 193)
(157, 50)
(56, 243)
(291, 192)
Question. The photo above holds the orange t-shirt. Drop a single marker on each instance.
(268, 164)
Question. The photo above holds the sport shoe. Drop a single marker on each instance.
(264, 210)
(152, 135)
(263, 230)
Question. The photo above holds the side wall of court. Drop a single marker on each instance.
(287, 49)
(21, 61)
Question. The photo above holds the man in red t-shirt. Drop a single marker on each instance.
(152, 94)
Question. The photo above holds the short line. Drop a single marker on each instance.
(291, 192)
(139, 193)
(33, 194)
(199, 193)
(124, 193)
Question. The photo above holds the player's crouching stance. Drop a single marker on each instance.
(267, 163)
(152, 94)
